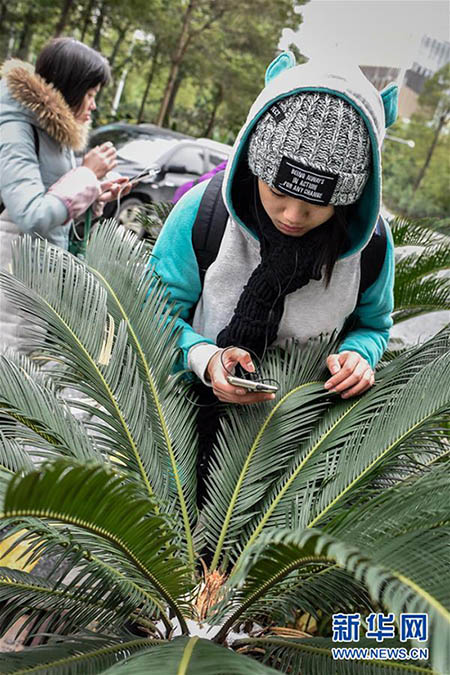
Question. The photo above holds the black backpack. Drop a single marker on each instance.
(206, 238)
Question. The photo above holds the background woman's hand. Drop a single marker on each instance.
(351, 374)
(217, 373)
(110, 189)
(101, 159)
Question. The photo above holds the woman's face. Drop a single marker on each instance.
(83, 112)
(291, 215)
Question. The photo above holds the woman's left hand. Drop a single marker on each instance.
(110, 189)
(351, 374)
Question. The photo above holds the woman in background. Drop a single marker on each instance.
(44, 117)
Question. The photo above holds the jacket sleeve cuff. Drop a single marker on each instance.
(198, 358)
(77, 189)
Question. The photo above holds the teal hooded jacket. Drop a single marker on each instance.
(315, 309)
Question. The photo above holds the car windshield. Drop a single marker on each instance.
(141, 151)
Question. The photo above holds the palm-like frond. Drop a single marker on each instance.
(78, 655)
(189, 655)
(416, 297)
(381, 544)
(60, 295)
(57, 609)
(352, 442)
(27, 395)
(121, 264)
(82, 565)
(256, 444)
(407, 232)
(121, 516)
(313, 656)
(13, 459)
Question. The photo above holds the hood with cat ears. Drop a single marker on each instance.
(45, 103)
(378, 110)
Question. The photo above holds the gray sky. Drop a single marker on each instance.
(370, 32)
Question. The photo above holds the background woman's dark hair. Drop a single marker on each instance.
(73, 68)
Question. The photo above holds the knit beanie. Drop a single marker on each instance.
(314, 146)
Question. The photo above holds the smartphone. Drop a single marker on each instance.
(150, 171)
(251, 385)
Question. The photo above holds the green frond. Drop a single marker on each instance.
(382, 545)
(353, 441)
(64, 300)
(189, 655)
(13, 459)
(97, 500)
(313, 656)
(421, 296)
(28, 396)
(120, 261)
(314, 589)
(56, 609)
(417, 265)
(257, 442)
(78, 655)
(407, 232)
(83, 563)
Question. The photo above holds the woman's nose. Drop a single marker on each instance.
(295, 211)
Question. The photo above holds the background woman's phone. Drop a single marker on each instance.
(251, 385)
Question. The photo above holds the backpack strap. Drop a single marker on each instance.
(209, 225)
(372, 257)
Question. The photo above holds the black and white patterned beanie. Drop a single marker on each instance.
(314, 146)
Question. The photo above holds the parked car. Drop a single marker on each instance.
(120, 133)
(168, 162)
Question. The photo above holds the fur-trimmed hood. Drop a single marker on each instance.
(42, 104)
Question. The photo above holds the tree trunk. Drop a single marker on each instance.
(183, 42)
(25, 36)
(87, 19)
(151, 74)
(212, 118)
(98, 27)
(63, 18)
(115, 50)
(173, 95)
(431, 149)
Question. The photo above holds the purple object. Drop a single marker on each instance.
(179, 192)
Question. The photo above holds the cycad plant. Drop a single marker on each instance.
(422, 273)
(314, 504)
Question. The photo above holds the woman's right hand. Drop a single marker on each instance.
(217, 373)
(101, 159)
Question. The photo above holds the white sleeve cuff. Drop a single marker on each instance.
(198, 358)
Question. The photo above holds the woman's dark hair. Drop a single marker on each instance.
(337, 240)
(73, 68)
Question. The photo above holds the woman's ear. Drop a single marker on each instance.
(282, 62)
(389, 96)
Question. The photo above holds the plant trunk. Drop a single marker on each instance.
(173, 95)
(183, 42)
(429, 153)
(63, 18)
(115, 49)
(98, 27)
(212, 118)
(151, 74)
(87, 19)
(25, 36)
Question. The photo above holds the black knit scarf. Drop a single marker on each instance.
(287, 264)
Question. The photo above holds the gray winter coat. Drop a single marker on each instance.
(41, 192)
